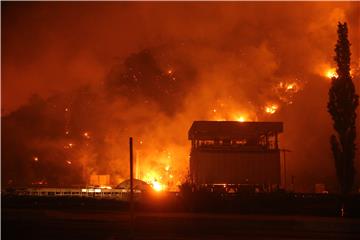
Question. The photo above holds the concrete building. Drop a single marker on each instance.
(235, 153)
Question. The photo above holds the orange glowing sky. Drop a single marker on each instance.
(232, 61)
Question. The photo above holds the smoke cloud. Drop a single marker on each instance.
(103, 72)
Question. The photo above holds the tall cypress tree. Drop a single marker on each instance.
(342, 105)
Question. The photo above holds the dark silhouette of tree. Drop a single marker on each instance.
(342, 105)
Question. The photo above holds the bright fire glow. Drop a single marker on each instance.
(35, 159)
(153, 178)
(331, 73)
(157, 186)
(288, 86)
(271, 109)
(68, 162)
(291, 86)
(241, 119)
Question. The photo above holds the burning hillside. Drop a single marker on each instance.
(96, 86)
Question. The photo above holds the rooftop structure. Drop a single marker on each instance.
(230, 152)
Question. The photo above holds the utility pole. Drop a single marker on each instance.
(284, 151)
(131, 188)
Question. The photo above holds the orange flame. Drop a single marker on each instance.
(331, 73)
(271, 108)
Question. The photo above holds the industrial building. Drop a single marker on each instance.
(232, 153)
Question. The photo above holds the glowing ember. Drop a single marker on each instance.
(68, 162)
(36, 159)
(69, 145)
(331, 73)
(271, 109)
(170, 71)
(66, 109)
(288, 86)
(86, 135)
(167, 168)
(291, 86)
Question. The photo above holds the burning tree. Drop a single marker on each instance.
(342, 105)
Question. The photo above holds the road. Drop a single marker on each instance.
(111, 225)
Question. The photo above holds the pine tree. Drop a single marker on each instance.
(342, 105)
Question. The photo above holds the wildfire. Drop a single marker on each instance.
(241, 119)
(152, 179)
(288, 86)
(331, 73)
(293, 86)
(157, 186)
(271, 109)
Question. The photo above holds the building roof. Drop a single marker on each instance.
(207, 130)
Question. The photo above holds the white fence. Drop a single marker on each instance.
(80, 192)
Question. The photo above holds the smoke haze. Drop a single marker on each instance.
(102, 72)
